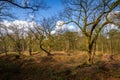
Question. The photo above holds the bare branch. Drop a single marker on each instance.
(26, 6)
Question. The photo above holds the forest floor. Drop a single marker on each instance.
(59, 67)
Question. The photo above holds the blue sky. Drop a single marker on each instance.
(25, 14)
(55, 7)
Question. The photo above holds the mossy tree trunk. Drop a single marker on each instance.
(90, 20)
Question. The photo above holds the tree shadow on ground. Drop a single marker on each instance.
(49, 68)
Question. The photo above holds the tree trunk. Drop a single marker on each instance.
(90, 55)
(94, 52)
(30, 47)
(6, 53)
(6, 50)
(30, 51)
(48, 53)
(90, 50)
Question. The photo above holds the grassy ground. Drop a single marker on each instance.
(59, 67)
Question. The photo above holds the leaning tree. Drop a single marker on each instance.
(43, 34)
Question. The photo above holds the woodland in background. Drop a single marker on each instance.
(88, 16)
(67, 41)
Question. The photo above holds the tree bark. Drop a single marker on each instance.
(48, 53)
(90, 55)
(30, 51)
(90, 52)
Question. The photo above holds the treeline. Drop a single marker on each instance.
(38, 41)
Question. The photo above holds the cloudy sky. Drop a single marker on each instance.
(22, 15)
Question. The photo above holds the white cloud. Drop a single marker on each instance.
(20, 24)
(59, 23)
(53, 32)
(114, 16)
(111, 26)
(61, 27)
(72, 28)
(6, 23)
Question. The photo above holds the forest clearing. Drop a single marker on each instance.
(59, 39)
(60, 66)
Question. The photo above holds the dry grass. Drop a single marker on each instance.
(60, 66)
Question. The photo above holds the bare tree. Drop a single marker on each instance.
(23, 4)
(90, 16)
(15, 33)
(43, 32)
(30, 39)
(48, 25)
(39, 35)
(3, 39)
